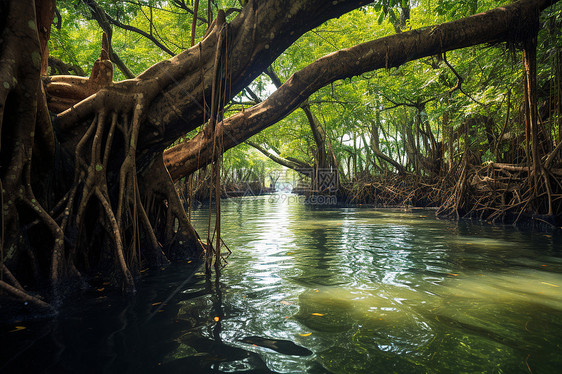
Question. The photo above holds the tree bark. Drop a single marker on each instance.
(45, 10)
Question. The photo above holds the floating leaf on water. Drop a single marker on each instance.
(453, 274)
(307, 334)
(18, 328)
(318, 314)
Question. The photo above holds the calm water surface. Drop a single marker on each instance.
(347, 290)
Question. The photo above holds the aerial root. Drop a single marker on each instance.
(10, 277)
(156, 246)
(492, 192)
(499, 190)
(174, 227)
(106, 152)
(123, 211)
(24, 296)
(128, 278)
(393, 190)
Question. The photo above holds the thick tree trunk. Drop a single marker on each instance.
(261, 32)
(22, 123)
(112, 198)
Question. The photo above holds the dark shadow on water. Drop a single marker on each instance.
(155, 330)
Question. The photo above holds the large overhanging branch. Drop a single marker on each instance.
(511, 23)
(256, 37)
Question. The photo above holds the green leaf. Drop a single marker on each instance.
(381, 18)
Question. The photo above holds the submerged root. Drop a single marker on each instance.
(24, 296)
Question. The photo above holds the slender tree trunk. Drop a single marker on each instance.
(530, 65)
(319, 137)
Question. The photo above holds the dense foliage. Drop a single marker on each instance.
(420, 99)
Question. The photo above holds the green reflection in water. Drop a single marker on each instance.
(388, 291)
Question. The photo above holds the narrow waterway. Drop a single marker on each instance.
(312, 289)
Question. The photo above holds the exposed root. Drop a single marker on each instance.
(504, 193)
(495, 192)
(23, 296)
(114, 229)
(390, 190)
(105, 155)
(103, 216)
(10, 277)
(169, 217)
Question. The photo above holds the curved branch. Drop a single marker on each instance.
(460, 81)
(99, 14)
(384, 157)
(499, 24)
(296, 165)
(103, 20)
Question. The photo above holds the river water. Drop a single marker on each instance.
(321, 290)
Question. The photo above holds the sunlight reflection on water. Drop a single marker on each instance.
(374, 289)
